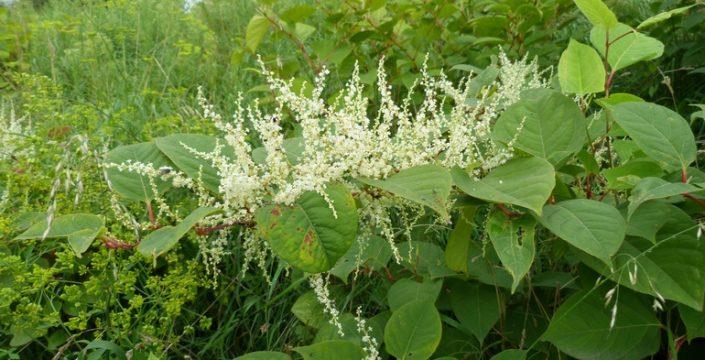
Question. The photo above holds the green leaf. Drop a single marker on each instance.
(510, 354)
(176, 148)
(591, 226)
(264, 355)
(256, 30)
(513, 240)
(652, 216)
(663, 16)
(660, 133)
(79, 229)
(131, 185)
(303, 31)
(309, 310)
(625, 50)
(476, 306)
(424, 258)
(580, 70)
(428, 185)
(307, 234)
(552, 125)
(597, 12)
(525, 182)
(331, 350)
(694, 322)
(293, 148)
(654, 188)
(373, 254)
(671, 268)
(406, 290)
(581, 327)
(458, 246)
(413, 331)
(163, 239)
(626, 176)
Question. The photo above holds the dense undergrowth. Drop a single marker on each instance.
(379, 179)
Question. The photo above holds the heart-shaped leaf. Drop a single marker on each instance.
(308, 234)
(184, 149)
(627, 47)
(131, 185)
(513, 240)
(654, 188)
(79, 229)
(581, 327)
(413, 331)
(163, 239)
(525, 182)
(591, 226)
(660, 133)
(580, 70)
(543, 123)
(428, 185)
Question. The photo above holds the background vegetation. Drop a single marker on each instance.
(81, 77)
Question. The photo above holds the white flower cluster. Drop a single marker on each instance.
(369, 341)
(13, 133)
(341, 140)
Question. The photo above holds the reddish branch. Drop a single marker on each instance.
(113, 243)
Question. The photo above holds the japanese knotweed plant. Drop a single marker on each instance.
(555, 216)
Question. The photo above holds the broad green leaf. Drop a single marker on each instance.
(303, 31)
(131, 185)
(671, 268)
(331, 350)
(256, 30)
(79, 229)
(424, 258)
(428, 185)
(663, 16)
(373, 254)
(24, 220)
(264, 355)
(694, 322)
(597, 12)
(413, 331)
(163, 239)
(476, 306)
(651, 188)
(456, 344)
(484, 266)
(513, 240)
(407, 290)
(591, 226)
(625, 177)
(510, 354)
(307, 234)
(293, 148)
(581, 327)
(551, 125)
(625, 50)
(525, 182)
(580, 70)
(652, 216)
(458, 245)
(309, 310)
(184, 149)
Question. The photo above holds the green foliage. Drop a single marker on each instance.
(311, 235)
(583, 241)
(580, 70)
(525, 182)
(413, 331)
